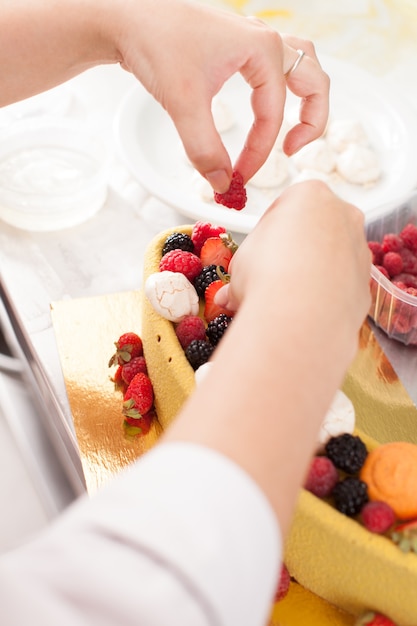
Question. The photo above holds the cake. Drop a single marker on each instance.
(332, 557)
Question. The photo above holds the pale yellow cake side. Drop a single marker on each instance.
(326, 552)
(172, 376)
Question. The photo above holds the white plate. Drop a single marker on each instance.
(151, 148)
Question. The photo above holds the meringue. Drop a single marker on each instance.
(171, 295)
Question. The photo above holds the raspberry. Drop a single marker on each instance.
(382, 270)
(409, 261)
(322, 477)
(283, 584)
(409, 280)
(217, 327)
(190, 328)
(235, 197)
(377, 254)
(348, 452)
(350, 495)
(133, 367)
(409, 236)
(208, 275)
(393, 263)
(391, 243)
(178, 241)
(198, 353)
(183, 262)
(202, 231)
(377, 516)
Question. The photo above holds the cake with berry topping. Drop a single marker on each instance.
(344, 546)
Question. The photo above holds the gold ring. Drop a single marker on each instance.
(297, 62)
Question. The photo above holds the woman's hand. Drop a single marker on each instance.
(309, 248)
(183, 52)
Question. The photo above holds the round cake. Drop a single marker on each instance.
(327, 553)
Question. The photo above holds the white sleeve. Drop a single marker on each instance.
(183, 536)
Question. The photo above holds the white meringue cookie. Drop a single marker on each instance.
(172, 295)
(273, 172)
(317, 155)
(202, 372)
(359, 165)
(339, 419)
(343, 132)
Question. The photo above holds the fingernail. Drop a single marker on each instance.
(219, 180)
(221, 297)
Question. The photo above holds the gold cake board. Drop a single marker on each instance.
(86, 330)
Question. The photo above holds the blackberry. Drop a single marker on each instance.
(178, 241)
(217, 327)
(198, 352)
(208, 275)
(350, 495)
(347, 452)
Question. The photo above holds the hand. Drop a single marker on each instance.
(307, 257)
(184, 52)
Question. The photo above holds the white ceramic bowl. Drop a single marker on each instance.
(53, 174)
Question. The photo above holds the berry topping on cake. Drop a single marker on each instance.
(350, 495)
(138, 427)
(190, 328)
(208, 275)
(218, 251)
(235, 197)
(128, 346)
(322, 477)
(178, 241)
(370, 618)
(138, 399)
(202, 231)
(198, 352)
(183, 262)
(405, 536)
(348, 452)
(377, 517)
(283, 584)
(217, 327)
(211, 308)
(134, 366)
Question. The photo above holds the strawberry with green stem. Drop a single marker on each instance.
(128, 346)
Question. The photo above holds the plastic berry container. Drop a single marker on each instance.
(53, 173)
(393, 309)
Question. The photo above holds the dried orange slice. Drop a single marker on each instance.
(390, 471)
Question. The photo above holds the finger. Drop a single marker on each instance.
(312, 85)
(268, 100)
(202, 143)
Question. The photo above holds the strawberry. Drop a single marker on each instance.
(119, 383)
(138, 427)
(218, 251)
(211, 309)
(181, 261)
(128, 346)
(370, 618)
(283, 584)
(138, 399)
(133, 367)
(235, 197)
(202, 231)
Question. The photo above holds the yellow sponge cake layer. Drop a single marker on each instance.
(328, 553)
(172, 376)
